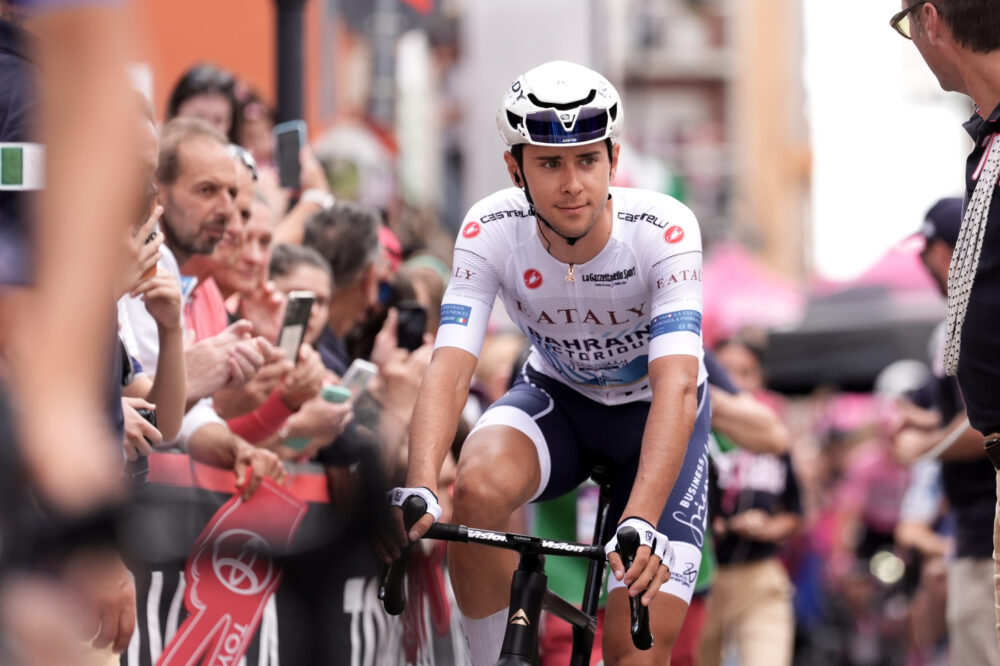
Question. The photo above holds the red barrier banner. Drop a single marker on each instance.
(231, 574)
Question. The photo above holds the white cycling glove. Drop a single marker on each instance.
(658, 543)
(398, 495)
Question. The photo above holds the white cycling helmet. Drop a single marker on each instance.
(560, 103)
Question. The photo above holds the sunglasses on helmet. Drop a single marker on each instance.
(549, 126)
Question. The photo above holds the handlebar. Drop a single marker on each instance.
(390, 590)
(628, 546)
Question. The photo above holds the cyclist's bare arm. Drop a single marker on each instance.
(674, 381)
(442, 397)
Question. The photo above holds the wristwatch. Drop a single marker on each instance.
(992, 447)
(321, 198)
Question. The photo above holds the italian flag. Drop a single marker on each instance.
(22, 166)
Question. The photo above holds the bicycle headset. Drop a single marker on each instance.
(558, 103)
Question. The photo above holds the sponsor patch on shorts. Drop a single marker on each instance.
(453, 313)
(672, 322)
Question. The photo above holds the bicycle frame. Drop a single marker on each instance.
(528, 591)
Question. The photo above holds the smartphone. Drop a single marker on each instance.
(293, 329)
(358, 375)
(138, 469)
(289, 138)
(411, 325)
(149, 415)
(335, 394)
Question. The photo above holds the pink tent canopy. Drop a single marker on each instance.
(899, 269)
(741, 293)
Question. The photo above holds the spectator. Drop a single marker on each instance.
(960, 42)
(347, 237)
(205, 307)
(315, 594)
(255, 127)
(754, 507)
(297, 268)
(922, 534)
(238, 268)
(197, 184)
(937, 414)
(206, 92)
(160, 294)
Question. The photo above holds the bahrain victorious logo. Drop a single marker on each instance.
(520, 617)
(231, 575)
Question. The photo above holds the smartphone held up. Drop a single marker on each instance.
(293, 328)
(411, 325)
(289, 139)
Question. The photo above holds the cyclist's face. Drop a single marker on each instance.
(569, 184)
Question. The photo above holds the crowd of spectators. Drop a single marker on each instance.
(860, 538)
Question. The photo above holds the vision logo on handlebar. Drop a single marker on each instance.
(480, 535)
(562, 545)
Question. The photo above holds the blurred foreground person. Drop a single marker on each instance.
(960, 42)
(67, 136)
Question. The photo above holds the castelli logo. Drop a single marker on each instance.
(471, 230)
(241, 562)
(674, 234)
(532, 279)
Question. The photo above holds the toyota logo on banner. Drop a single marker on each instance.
(241, 562)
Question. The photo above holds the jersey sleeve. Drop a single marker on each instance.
(675, 279)
(468, 301)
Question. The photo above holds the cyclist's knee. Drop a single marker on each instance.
(496, 474)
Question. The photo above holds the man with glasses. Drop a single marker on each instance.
(606, 283)
(960, 42)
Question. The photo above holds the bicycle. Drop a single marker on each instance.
(529, 594)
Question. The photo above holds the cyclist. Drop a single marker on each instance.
(606, 283)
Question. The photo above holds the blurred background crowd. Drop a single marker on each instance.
(823, 282)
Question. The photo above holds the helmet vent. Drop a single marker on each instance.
(563, 107)
(514, 120)
(613, 112)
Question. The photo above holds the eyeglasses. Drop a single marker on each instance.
(550, 127)
(900, 21)
(246, 159)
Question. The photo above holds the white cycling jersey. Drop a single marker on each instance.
(637, 300)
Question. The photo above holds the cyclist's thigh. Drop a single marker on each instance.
(530, 411)
(684, 516)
